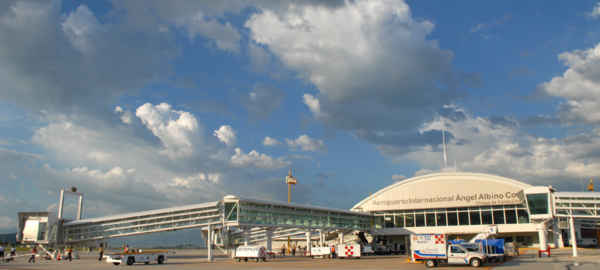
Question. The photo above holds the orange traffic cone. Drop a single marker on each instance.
(58, 257)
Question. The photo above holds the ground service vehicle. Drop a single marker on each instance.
(322, 252)
(435, 250)
(255, 253)
(587, 242)
(139, 257)
(348, 251)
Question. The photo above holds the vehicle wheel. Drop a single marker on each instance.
(245, 259)
(116, 263)
(430, 263)
(161, 260)
(264, 259)
(503, 258)
(146, 262)
(492, 259)
(130, 261)
(312, 257)
(255, 259)
(341, 258)
(239, 259)
(476, 262)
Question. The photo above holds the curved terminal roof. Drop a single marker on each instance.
(440, 190)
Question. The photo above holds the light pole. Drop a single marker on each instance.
(290, 180)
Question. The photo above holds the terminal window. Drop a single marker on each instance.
(486, 215)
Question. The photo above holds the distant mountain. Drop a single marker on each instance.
(9, 237)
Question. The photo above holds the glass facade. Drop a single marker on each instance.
(257, 214)
(538, 203)
(487, 215)
(231, 211)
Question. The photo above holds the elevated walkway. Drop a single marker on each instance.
(253, 217)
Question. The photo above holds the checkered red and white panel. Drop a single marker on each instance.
(262, 252)
(349, 250)
(439, 239)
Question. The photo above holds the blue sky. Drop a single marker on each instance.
(149, 104)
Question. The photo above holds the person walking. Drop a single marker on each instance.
(33, 253)
(69, 252)
(101, 251)
(13, 251)
(283, 250)
(294, 250)
(1, 251)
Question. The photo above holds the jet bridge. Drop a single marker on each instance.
(226, 223)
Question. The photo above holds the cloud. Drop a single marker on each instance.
(398, 177)
(579, 86)
(178, 136)
(307, 144)
(260, 60)
(257, 160)
(52, 63)
(227, 135)
(500, 22)
(197, 19)
(262, 101)
(268, 141)
(7, 222)
(371, 62)
(594, 13)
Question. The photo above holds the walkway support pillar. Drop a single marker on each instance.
(308, 240)
(269, 233)
(341, 237)
(573, 237)
(210, 243)
(321, 236)
(557, 236)
(541, 228)
(246, 236)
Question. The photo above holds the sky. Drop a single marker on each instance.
(151, 104)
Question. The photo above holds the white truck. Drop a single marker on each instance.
(138, 257)
(435, 250)
(348, 251)
(255, 253)
(320, 252)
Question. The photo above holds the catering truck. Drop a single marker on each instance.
(138, 257)
(435, 250)
(255, 253)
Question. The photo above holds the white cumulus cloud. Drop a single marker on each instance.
(579, 86)
(179, 131)
(307, 144)
(255, 159)
(268, 141)
(227, 135)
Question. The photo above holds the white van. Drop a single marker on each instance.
(587, 242)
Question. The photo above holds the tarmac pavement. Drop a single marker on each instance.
(195, 259)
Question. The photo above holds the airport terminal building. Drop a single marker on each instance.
(463, 204)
